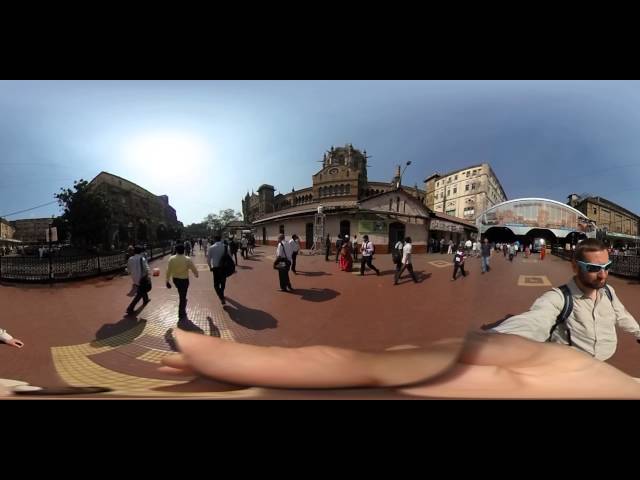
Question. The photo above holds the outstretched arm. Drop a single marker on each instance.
(488, 366)
(306, 367)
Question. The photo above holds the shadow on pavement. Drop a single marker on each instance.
(316, 294)
(249, 317)
(313, 274)
(129, 324)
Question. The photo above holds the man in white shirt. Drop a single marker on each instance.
(215, 254)
(367, 256)
(590, 325)
(283, 273)
(244, 246)
(406, 262)
(354, 247)
(9, 340)
(138, 268)
(293, 246)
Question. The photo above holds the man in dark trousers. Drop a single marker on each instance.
(282, 251)
(458, 262)
(338, 246)
(327, 247)
(139, 270)
(367, 255)
(215, 254)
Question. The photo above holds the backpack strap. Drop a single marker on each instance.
(607, 290)
(564, 313)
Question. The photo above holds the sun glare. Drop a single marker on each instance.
(167, 154)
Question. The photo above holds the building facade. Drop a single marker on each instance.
(464, 193)
(384, 217)
(615, 224)
(7, 230)
(352, 205)
(31, 230)
(342, 179)
(138, 216)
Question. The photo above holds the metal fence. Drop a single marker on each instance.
(34, 269)
(624, 265)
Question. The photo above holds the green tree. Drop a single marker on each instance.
(196, 230)
(218, 222)
(86, 214)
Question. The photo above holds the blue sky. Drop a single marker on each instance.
(205, 143)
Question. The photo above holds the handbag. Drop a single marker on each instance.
(282, 263)
(227, 263)
(145, 282)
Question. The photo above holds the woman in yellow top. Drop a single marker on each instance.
(178, 269)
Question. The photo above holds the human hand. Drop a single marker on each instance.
(14, 342)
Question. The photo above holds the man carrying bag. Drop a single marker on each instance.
(139, 270)
(282, 264)
(221, 264)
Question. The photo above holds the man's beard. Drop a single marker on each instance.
(595, 284)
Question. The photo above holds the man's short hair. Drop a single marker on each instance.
(589, 245)
(137, 249)
(217, 238)
(180, 249)
(280, 237)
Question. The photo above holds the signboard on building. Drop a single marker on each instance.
(445, 226)
(372, 226)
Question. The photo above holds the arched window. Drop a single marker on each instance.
(341, 189)
(348, 190)
(397, 204)
(391, 204)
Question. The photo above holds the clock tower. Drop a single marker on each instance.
(343, 175)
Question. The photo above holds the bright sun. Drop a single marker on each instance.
(167, 154)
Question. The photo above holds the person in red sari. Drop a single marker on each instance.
(346, 260)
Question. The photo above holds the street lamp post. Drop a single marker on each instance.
(401, 174)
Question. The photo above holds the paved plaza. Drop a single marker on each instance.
(77, 333)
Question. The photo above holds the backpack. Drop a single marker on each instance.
(227, 263)
(396, 255)
(568, 308)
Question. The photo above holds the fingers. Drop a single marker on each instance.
(177, 371)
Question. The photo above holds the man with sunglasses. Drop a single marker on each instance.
(587, 318)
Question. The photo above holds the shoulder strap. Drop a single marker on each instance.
(607, 290)
(564, 313)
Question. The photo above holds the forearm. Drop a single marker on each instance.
(306, 367)
(4, 336)
(629, 325)
(311, 367)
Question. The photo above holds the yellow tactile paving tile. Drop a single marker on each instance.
(75, 368)
(153, 356)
